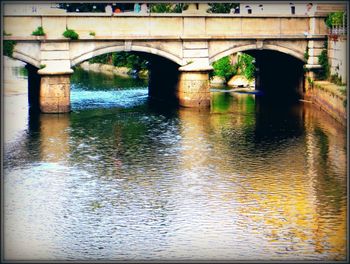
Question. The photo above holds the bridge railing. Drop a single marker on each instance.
(338, 30)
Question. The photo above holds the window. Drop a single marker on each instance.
(292, 9)
(249, 9)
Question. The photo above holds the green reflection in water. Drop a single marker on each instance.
(221, 102)
(240, 104)
(224, 102)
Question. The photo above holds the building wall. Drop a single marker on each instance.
(337, 58)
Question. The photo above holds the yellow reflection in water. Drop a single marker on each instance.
(54, 145)
(283, 197)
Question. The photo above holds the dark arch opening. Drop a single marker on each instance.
(33, 88)
(163, 79)
(279, 76)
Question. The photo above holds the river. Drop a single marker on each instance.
(122, 178)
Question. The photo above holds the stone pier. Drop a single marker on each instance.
(193, 88)
(33, 87)
(55, 77)
(55, 93)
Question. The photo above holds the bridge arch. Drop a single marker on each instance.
(104, 50)
(272, 47)
(26, 58)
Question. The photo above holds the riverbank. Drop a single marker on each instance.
(236, 81)
(112, 70)
(329, 97)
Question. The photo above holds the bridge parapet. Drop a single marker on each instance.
(166, 26)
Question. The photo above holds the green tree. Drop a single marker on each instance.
(8, 47)
(323, 61)
(246, 66)
(38, 32)
(221, 7)
(168, 8)
(121, 59)
(335, 19)
(224, 68)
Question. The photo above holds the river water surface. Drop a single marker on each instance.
(121, 178)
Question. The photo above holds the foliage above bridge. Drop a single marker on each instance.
(222, 8)
(336, 19)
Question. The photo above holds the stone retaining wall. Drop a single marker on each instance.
(329, 99)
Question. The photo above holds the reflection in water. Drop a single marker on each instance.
(136, 180)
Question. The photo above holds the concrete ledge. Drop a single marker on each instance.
(170, 37)
(313, 66)
(45, 71)
(194, 67)
(133, 14)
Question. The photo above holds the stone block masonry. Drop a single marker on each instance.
(55, 93)
(327, 96)
(193, 89)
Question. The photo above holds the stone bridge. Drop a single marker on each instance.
(192, 42)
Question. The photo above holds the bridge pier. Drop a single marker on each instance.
(193, 85)
(55, 93)
(193, 89)
(33, 87)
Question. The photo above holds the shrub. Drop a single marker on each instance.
(245, 65)
(323, 61)
(161, 8)
(310, 81)
(129, 60)
(38, 32)
(71, 34)
(168, 8)
(336, 79)
(221, 7)
(9, 45)
(306, 54)
(335, 19)
(121, 59)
